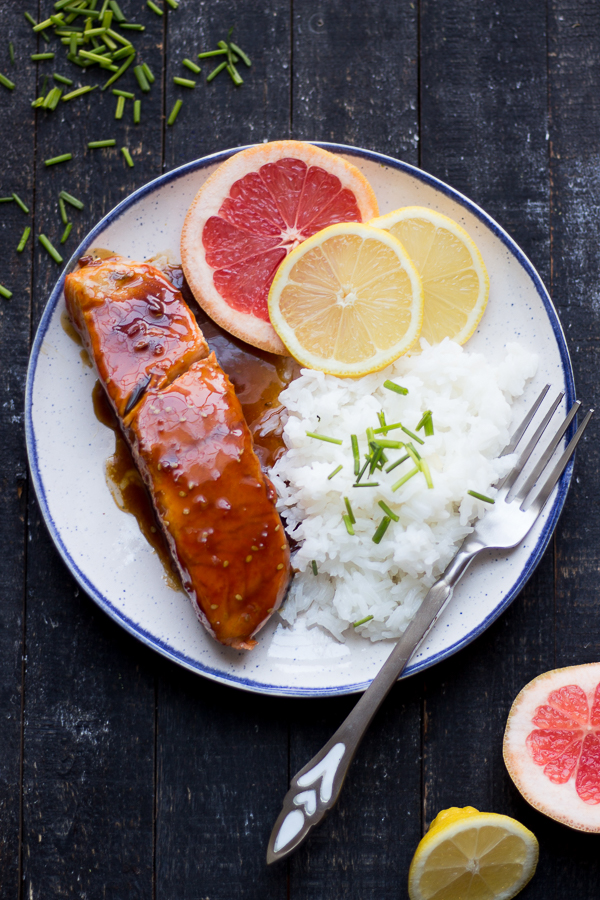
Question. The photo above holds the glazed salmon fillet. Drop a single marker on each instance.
(185, 426)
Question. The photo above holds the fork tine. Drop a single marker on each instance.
(546, 489)
(526, 453)
(547, 456)
(512, 445)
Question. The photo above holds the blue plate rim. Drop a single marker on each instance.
(245, 683)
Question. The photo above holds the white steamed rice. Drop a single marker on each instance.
(471, 404)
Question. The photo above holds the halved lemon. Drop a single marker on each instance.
(347, 301)
(470, 855)
(455, 280)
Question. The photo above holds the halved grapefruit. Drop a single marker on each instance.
(254, 209)
(552, 745)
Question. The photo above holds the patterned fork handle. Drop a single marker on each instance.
(315, 788)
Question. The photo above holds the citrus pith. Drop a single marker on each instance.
(252, 211)
(455, 280)
(347, 301)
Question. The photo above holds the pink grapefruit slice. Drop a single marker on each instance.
(251, 212)
(552, 745)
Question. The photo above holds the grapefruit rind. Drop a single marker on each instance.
(208, 202)
(455, 826)
(389, 220)
(330, 365)
(558, 801)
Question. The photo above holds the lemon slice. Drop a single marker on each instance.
(347, 301)
(469, 855)
(455, 280)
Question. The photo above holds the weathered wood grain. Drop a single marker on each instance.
(88, 810)
(355, 82)
(222, 754)
(15, 274)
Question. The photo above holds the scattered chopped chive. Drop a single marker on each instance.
(423, 419)
(42, 25)
(322, 437)
(62, 79)
(397, 463)
(95, 57)
(479, 496)
(120, 72)
(38, 102)
(120, 108)
(72, 200)
(391, 445)
(107, 18)
(7, 199)
(141, 79)
(20, 203)
(63, 211)
(133, 26)
(11, 52)
(148, 73)
(174, 112)
(335, 471)
(240, 53)
(38, 57)
(191, 66)
(210, 53)
(119, 93)
(123, 52)
(389, 512)
(156, 9)
(97, 145)
(405, 478)
(119, 37)
(24, 239)
(367, 484)
(64, 157)
(398, 389)
(56, 94)
(349, 511)
(411, 434)
(49, 248)
(30, 19)
(426, 472)
(216, 71)
(4, 292)
(362, 471)
(137, 111)
(79, 92)
(127, 156)
(66, 232)
(381, 529)
(60, 4)
(184, 82)
(348, 524)
(355, 453)
(235, 75)
(313, 564)
(116, 10)
(362, 621)
(223, 46)
(173, 4)
(7, 82)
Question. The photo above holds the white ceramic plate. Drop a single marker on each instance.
(103, 546)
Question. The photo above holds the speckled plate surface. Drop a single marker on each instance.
(103, 546)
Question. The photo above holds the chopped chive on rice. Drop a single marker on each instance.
(348, 523)
(24, 239)
(381, 530)
(52, 251)
(97, 145)
(72, 200)
(335, 471)
(398, 462)
(349, 510)
(323, 437)
(411, 434)
(174, 112)
(389, 512)
(20, 203)
(355, 453)
(405, 478)
(362, 621)
(367, 484)
(64, 157)
(4, 292)
(426, 472)
(479, 496)
(127, 156)
(397, 388)
(313, 564)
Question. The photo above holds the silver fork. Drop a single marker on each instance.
(315, 788)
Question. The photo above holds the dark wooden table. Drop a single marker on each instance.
(123, 776)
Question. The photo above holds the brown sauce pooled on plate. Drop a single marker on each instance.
(258, 378)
